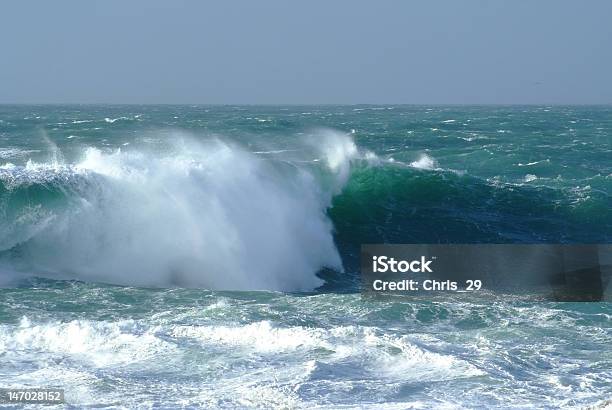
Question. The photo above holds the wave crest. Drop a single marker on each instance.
(200, 214)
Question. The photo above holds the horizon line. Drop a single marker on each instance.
(306, 104)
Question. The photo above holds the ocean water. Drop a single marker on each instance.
(208, 256)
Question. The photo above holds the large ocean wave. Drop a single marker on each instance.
(215, 214)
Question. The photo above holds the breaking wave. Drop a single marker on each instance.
(206, 214)
(217, 215)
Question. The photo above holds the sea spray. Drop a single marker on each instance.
(203, 214)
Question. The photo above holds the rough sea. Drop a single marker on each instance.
(208, 256)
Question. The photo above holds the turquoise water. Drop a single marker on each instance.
(186, 256)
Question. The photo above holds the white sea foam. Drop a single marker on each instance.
(11, 152)
(100, 343)
(424, 162)
(358, 344)
(113, 120)
(260, 336)
(254, 358)
(106, 344)
(528, 164)
(276, 151)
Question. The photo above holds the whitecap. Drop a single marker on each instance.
(424, 162)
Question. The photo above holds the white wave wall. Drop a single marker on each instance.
(205, 214)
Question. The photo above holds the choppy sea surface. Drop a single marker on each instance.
(208, 256)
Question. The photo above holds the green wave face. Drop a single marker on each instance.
(402, 205)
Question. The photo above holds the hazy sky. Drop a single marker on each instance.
(331, 51)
